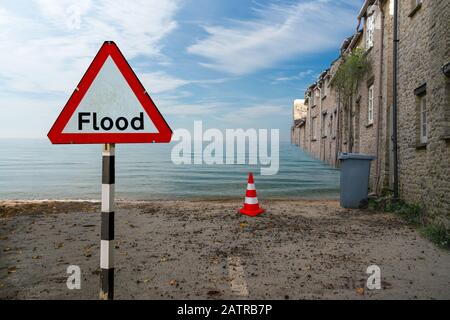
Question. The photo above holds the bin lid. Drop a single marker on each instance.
(356, 156)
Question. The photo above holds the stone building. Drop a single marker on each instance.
(365, 124)
(424, 105)
(299, 111)
(367, 121)
(362, 125)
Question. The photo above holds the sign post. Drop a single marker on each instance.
(107, 223)
(109, 106)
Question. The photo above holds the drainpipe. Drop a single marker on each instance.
(380, 97)
(320, 127)
(394, 102)
(310, 133)
(338, 130)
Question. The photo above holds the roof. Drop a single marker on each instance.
(363, 10)
(355, 38)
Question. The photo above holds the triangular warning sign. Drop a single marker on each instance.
(110, 105)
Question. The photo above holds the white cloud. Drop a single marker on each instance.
(49, 50)
(23, 117)
(280, 32)
(157, 82)
(183, 110)
(301, 75)
(250, 114)
(171, 106)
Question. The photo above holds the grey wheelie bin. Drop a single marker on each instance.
(355, 171)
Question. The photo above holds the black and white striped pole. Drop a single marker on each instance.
(125, 101)
(107, 224)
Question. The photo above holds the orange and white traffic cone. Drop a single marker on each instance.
(251, 206)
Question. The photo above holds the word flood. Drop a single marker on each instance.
(106, 123)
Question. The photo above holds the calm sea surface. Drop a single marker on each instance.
(35, 169)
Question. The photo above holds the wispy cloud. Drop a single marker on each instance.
(299, 76)
(249, 114)
(157, 82)
(280, 32)
(49, 50)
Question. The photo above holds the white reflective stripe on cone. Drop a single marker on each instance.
(253, 200)
(251, 186)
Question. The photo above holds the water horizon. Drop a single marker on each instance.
(34, 169)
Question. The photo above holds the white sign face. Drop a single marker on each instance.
(109, 106)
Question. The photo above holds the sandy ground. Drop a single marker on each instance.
(204, 249)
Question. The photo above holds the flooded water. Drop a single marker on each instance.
(35, 169)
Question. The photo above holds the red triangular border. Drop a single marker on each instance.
(109, 48)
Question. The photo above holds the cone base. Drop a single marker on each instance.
(251, 213)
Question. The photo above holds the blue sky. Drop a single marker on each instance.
(232, 64)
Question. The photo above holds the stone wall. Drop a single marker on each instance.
(424, 46)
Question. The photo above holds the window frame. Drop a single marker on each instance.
(330, 126)
(423, 119)
(370, 29)
(323, 131)
(313, 128)
(370, 103)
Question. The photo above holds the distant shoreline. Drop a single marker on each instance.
(180, 199)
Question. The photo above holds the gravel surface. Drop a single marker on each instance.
(297, 249)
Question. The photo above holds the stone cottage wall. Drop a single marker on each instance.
(424, 169)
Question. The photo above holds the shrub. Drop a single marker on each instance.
(438, 233)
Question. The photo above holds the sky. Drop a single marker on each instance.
(229, 63)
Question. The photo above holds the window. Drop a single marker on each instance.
(423, 120)
(370, 106)
(313, 128)
(369, 31)
(324, 123)
(335, 123)
(331, 126)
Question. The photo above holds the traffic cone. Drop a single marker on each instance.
(251, 206)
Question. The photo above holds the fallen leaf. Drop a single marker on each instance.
(242, 225)
(213, 293)
(173, 282)
(35, 257)
(6, 249)
(360, 291)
